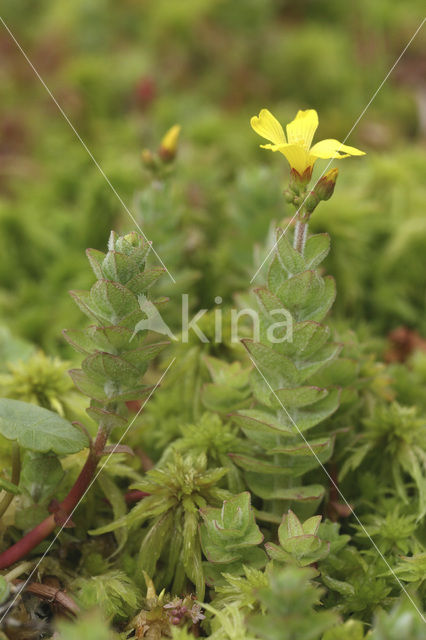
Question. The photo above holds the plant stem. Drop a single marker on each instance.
(16, 473)
(19, 570)
(300, 234)
(52, 595)
(34, 537)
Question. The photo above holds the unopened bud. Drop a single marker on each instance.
(288, 195)
(325, 187)
(148, 159)
(169, 144)
(311, 201)
(133, 239)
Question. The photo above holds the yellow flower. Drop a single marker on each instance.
(169, 143)
(297, 145)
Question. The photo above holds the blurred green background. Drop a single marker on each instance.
(124, 72)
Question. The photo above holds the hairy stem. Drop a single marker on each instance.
(16, 473)
(34, 537)
(300, 234)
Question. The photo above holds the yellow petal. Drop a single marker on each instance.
(298, 158)
(302, 129)
(334, 149)
(267, 126)
(170, 139)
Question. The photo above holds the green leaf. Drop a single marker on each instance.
(143, 281)
(255, 420)
(79, 339)
(311, 525)
(222, 398)
(261, 466)
(277, 276)
(290, 259)
(270, 361)
(41, 475)
(38, 429)
(308, 296)
(320, 446)
(291, 526)
(308, 339)
(269, 301)
(267, 488)
(111, 301)
(320, 359)
(344, 588)
(118, 267)
(96, 258)
(153, 543)
(115, 497)
(317, 248)
(140, 357)
(102, 367)
(298, 397)
(105, 393)
(117, 339)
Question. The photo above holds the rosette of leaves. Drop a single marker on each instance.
(287, 358)
(230, 539)
(171, 514)
(216, 439)
(299, 543)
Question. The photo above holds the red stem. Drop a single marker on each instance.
(34, 537)
(134, 495)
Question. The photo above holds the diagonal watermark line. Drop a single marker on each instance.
(22, 587)
(340, 493)
(85, 147)
(342, 143)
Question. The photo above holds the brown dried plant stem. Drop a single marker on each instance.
(51, 594)
(34, 537)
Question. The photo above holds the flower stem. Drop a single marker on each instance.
(16, 473)
(34, 537)
(300, 234)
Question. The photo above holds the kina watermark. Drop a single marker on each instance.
(236, 323)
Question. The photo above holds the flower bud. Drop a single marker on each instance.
(148, 159)
(133, 238)
(288, 195)
(169, 144)
(325, 187)
(311, 201)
